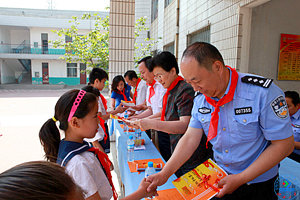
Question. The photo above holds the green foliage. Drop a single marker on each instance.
(91, 48)
(142, 49)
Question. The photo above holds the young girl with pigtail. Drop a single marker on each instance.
(76, 113)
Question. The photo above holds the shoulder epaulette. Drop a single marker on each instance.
(262, 82)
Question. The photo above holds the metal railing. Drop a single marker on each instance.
(30, 49)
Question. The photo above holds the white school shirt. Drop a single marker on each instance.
(157, 98)
(86, 171)
(141, 94)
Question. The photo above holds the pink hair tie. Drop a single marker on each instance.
(76, 103)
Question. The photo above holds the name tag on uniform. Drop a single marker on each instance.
(244, 110)
(204, 110)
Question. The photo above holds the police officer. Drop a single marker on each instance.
(245, 117)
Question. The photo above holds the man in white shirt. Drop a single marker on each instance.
(139, 96)
(154, 97)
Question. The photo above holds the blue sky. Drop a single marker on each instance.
(88, 5)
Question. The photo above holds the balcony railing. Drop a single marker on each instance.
(30, 49)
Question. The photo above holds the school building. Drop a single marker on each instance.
(247, 33)
(27, 56)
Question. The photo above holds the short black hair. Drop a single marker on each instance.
(97, 73)
(116, 81)
(147, 60)
(144, 59)
(131, 74)
(205, 54)
(91, 89)
(165, 60)
(294, 96)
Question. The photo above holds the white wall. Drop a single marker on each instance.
(4, 38)
(18, 36)
(57, 68)
(35, 35)
(142, 10)
(223, 16)
(268, 22)
(7, 73)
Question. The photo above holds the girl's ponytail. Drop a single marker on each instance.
(50, 138)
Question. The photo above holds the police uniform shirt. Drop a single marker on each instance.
(247, 124)
(296, 128)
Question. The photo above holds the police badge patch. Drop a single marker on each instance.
(279, 107)
(204, 110)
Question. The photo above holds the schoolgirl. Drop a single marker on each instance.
(76, 111)
(120, 91)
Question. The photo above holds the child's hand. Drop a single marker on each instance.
(143, 189)
(120, 109)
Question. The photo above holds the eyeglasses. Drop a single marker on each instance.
(158, 77)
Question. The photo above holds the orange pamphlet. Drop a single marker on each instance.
(117, 117)
(128, 103)
(133, 165)
(201, 182)
(168, 194)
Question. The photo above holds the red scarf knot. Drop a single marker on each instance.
(135, 91)
(123, 93)
(151, 90)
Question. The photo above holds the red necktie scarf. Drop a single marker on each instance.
(102, 121)
(151, 91)
(104, 101)
(102, 124)
(106, 163)
(213, 126)
(135, 91)
(123, 93)
(165, 99)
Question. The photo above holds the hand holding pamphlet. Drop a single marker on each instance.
(201, 182)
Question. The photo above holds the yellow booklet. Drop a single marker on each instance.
(201, 182)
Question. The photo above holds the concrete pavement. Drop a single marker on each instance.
(22, 113)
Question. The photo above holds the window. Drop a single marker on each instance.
(203, 35)
(68, 39)
(35, 44)
(154, 10)
(167, 2)
(71, 69)
(169, 47)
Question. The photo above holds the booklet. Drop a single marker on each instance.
(201, 182)
(128, 103)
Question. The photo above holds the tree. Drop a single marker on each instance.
(142, 49)
(92, 48)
